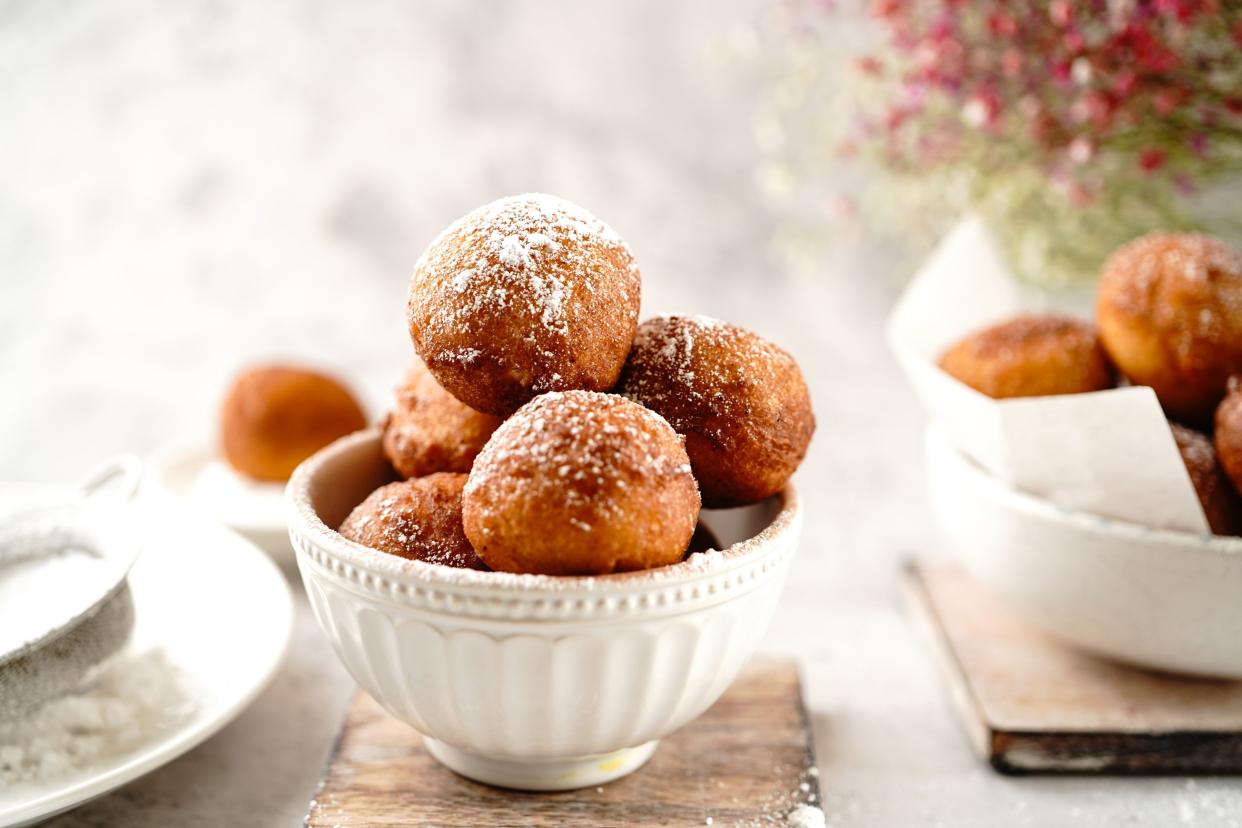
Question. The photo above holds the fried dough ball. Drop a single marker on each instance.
(1170, 316)
(275, 416)
(418, 519)
(1221, 504)
(740, 402)
(524, 295)
(430, 430)
(1032, 355)
(581, 483)
(1228, 435)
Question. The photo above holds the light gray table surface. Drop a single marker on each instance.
(187, 187)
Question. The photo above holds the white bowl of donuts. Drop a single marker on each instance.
(1150, 572)
(519, 563)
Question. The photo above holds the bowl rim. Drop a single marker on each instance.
(1086, 521)
(306, 525)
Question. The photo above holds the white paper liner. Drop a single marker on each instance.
(1108, 452)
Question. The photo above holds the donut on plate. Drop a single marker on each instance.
(275, 416)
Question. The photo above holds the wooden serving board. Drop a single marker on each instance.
(1031, 704)
(747, 761)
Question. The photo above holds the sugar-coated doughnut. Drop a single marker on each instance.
(430, 430)
(1169, 311)
(419, 519)
(1228, 435)
(275, 416)
(524, 295)
(1221, 504)
(740, 402)
(581, 483)
(1032, 355)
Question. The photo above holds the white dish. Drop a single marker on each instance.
(214, 661)
(527, 681)
(1158, 599)
(254, 510)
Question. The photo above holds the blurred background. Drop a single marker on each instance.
(186, 188)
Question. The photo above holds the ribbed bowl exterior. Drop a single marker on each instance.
(588, 667)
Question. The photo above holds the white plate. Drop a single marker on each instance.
(212, 619)
(254, 510)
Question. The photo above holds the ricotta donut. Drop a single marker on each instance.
(1032, 355)
(1228, 435)
(1221, 504)
(524, 295)
(581, 483)
(740, 402)
(429, 430)
(1169, 310)
(418, 519)
(275, 416)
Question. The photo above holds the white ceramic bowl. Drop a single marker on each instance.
(525, 681)
(1164, 600)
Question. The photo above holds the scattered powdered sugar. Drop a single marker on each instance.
(417, 518)
(1162, 277)
(132, 700)
(806, 816)
(578, 444)
(535, 257)
(697, 370)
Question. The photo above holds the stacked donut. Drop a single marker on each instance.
(1169, 316)
(543, 430)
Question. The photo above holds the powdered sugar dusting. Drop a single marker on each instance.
(132, 700)
(806, 816)
(688, 351)
(1189, 267)
(581, 444)
(535, 256)
(418, 518)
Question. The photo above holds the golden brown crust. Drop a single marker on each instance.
(1170, 316)
(525, 295)
(430, 430)
(1228, 437)
(418, 519)
(1221, 504)
(275, 416)
(581, 483)
(1032, 355)
(740, 402)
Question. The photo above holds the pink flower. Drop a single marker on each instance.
(1151, 159)
(1061, 12)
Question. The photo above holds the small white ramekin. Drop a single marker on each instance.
(1163, 600)
(527, 681)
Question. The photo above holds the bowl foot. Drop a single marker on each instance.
(543, 774)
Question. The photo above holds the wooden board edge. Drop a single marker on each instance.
(1021, 753)
(334, 752)
(931, 630)
(810, 763)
